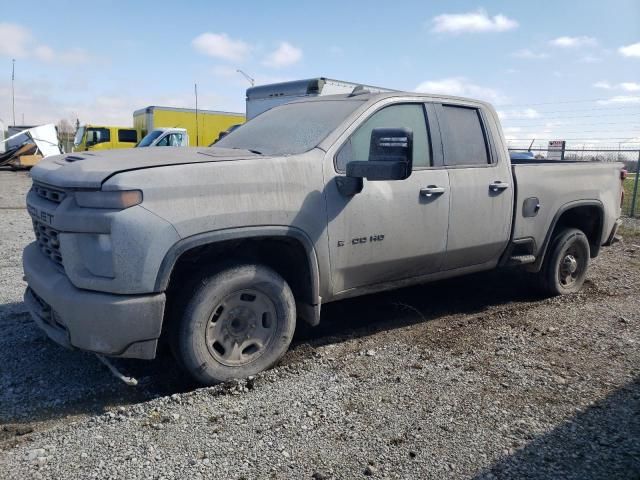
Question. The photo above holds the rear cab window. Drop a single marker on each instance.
(127, 136)
(464, 136)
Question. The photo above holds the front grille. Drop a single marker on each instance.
(49, 193)
(48, 241)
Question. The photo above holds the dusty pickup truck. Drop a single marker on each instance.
(220, 250)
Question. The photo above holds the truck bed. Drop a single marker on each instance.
(558, 184)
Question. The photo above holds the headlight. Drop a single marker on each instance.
(115, 199)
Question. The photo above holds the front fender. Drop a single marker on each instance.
(241, 233)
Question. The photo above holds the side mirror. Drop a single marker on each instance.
(390, 156)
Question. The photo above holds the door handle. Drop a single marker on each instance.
(498, 186)
(431, 191)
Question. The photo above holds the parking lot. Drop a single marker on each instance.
(475, 377)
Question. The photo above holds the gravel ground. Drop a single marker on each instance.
(469, 378)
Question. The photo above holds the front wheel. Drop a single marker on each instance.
(238, 322)
(565, 267)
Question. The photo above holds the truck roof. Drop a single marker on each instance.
(151, 108)
(366, 96)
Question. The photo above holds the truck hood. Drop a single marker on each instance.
(91, 169)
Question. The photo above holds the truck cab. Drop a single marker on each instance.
(101, 137)
(165, 137)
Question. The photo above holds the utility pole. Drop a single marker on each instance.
(195, 85)
(13, 91)
(249, 79)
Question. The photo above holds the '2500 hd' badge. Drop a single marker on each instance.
(363, 240)
(40, 215)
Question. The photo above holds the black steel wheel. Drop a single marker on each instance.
(566, 264)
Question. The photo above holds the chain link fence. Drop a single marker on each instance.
(630, 159)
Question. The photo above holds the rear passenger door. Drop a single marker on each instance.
(481, 193)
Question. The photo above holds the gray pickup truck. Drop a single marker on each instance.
(220, 250)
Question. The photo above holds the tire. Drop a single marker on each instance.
(566, 264)
(236, 322)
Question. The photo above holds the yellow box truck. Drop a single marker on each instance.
(210, 123)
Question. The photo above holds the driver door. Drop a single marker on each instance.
(391, 230)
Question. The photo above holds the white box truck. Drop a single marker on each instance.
(264, 97)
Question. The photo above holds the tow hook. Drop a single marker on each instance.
(132, 382)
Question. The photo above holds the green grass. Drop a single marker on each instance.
(628, 196)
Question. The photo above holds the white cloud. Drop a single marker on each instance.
(630, 86)
(573, 42)
(603, 84)
(472, 22)
(19, 42)
(284, 56)
(517, 114)
(632, 99)
(461, 87)
(632, 50)
(220, 45)
(626, 86)
(15, 40)
(529, 54)
(44, 53)
(74, 55)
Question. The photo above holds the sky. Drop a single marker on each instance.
(553, 69)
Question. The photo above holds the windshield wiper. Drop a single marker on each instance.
(247, 150)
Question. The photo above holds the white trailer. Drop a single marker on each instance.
(264, 97)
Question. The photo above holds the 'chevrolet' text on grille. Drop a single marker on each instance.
(40, 214)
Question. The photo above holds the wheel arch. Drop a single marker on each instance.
(287, 250)
(586, 215)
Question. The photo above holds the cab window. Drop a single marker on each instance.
(98, 135)
(171, 140)
(409, 115)
(465, 143)
(127, 136)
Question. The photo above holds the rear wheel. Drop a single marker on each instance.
(566, 264)
(239, 321)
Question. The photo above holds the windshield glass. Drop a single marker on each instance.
(148, 140)
(77, 140)
(291, 128)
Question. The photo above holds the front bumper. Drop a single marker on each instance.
(115, 325)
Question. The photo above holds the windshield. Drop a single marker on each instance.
(77, 140)
(291, 128)
(148, 140)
